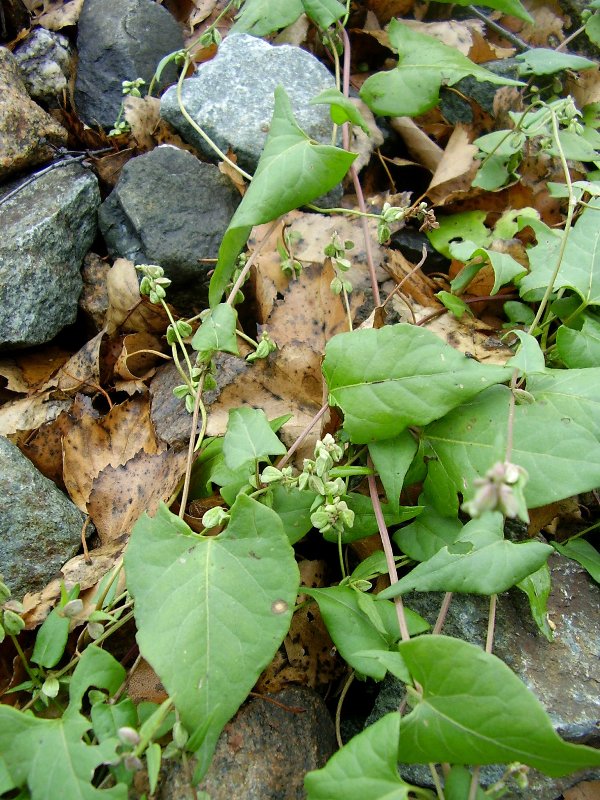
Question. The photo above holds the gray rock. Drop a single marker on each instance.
(171, 209)
(265, 751)
(40, 528)
(563, 674)
(25, 128)
(46, 62)
(231, 97)
(47, 227)
(120, 40)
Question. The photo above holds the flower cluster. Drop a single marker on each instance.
(500, 490)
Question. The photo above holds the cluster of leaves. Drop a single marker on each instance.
(416, 413)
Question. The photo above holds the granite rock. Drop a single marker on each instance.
(120, 40)
(47, 227)
(25, 128)
(563, 674)
(171, 209)
(40, 528)
(231, 97)
(265, 751)
(47, 64)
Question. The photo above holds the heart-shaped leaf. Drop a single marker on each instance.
(187, 591)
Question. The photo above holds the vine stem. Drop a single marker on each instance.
(387, 549)
(284, 459)
(198, 408)
(248, 265)
(439, 623)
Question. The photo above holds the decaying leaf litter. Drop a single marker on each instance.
(106, 429)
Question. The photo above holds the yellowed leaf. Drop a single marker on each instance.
(423, 149)
(456, 171)
(138, 358)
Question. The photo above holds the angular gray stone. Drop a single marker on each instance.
(40, 528)
(563, 674)
(171, 209)
(25, 128)
(231, 97)
(47, 227)
(265, 751)
(46, 62)
(120, 40)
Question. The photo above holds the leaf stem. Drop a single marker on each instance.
(439, 623)
(194, 442)
(284, 459)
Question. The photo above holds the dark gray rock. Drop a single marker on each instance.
(47, 227)
(171, 209)
(25, 128)
(46, 62)
(40, 528)
(231, 97)
(563, 674)
(265, 751)
(120, 40)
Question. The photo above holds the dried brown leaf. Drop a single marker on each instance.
(423, 149)
(58, 14)
(27, 371)
(127, 310)
(138, 358)
(81, 373)
(94, 296)
(457, 168)
(93, 444)
(28, 413)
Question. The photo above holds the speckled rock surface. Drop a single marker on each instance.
(120, 40)
(47, 228)
(40, 528)
(265, 751)
(171, 209)
(231, 97)
(564, 674)
(46, 62)
(24, 126)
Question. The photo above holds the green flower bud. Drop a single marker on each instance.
(13, 624)
(214, 517)
(51, 686)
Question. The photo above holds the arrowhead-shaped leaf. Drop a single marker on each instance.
(424, 64)
(475, 710)
(387, 379)
(189, 589)
(249, 437)
(572, 393)
(292, 171)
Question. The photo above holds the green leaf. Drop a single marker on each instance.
(292, 171)
(431, 531)
(365, 522)
(217, 331)
(470, 439)
(529, 358)
(458, 784)
(572, 393)
(501, 143)
(293, 507)
(454, 304)
(513, 7)
(474, 710)
(153, 759)
(580, 349)
(49, 756)
(107, 718)
(543, 61)
(491, 564)
(51, 640)
(357, 622)
(582, 552)
(424, 64)
(575, 147)
(392, 458)
(493, 173)
(364, 769)
(96, 668)
(580, 266)
(465, 226)
(385, 380)
(592, 28)
(342, 109)
(187, 591)
(249, 438)
(537, 588)
(323, 12)
(261, 17)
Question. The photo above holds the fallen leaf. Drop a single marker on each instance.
(24, 372)
(28, 413)
(139, 357)
(423, 149)
(586, 790)
(384, 10)
(58, 14)
(127, 310)
(457, 168)
(44, 449)
(144, 685)
(93, 300)
(81, 373)
(93, 444)
(416, 285)
(549, 23)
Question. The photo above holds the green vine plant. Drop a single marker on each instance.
(416, 421)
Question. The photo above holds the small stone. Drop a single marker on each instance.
(171, 209)
(120, 40)
(47, 227)
(40, 528)
(46, 62)
(25, 128)
(231, 97)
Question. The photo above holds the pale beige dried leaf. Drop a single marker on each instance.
(586, 790)
(549, 23)
(58, 14)
(29, 413)
(121, 494)
(415, 285)
(127, 310)
(233, 174)
(143, 115)
(81, 373)
(585, 86)
(423, 149)
(457, 169)
(452, 33)
(135, 362)
(32, 369)
(294, 34)
(93, 444)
